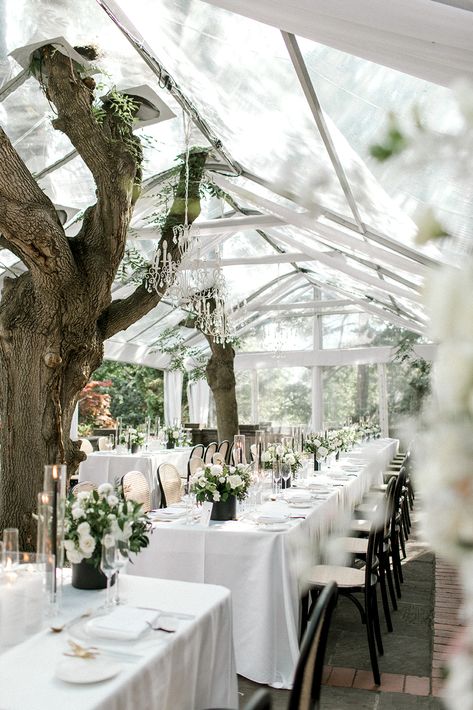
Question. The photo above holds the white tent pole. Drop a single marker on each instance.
(383, 399)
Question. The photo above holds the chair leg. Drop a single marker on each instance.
(389, 577)
(397, 567)
(403, 545)
(375, 621)
(371, 643)
(304, 615)
(384, 596)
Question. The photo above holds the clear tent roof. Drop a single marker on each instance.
(319, 212)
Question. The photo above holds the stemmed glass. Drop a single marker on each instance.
(276, 475)
(107, 565)
(286, 473)
(121, 559)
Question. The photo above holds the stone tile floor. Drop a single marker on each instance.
(412, 667)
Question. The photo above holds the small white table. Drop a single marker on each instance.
(191, 669)
(261, 567)
(110, 466)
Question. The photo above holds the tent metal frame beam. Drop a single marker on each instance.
(13, 84)
(142, 48)
(316, 110)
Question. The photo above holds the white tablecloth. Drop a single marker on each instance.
(189, 670)
(258, 566)
(108, 467)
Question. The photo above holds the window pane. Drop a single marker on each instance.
(285, 395)
(349, 393)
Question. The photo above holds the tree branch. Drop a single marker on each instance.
(124, 312)
(28, 219)
(109, 149)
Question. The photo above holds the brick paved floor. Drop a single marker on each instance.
(425, 627)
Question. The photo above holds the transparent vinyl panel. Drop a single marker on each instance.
(284, 395)
(349, 392)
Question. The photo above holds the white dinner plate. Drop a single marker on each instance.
(273, 527)
(299, 504)
(86, 670)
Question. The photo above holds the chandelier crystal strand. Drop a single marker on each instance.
(188, 282)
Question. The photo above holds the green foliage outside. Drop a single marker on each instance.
(136, 392)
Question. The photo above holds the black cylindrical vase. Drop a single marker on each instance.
(86, 576)
(224, 510)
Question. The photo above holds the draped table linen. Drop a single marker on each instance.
(109, 467)
(261, 567)
(191, 669)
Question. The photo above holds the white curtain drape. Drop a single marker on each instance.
(75, 423)
(198, 396)
(427, 39)
(172, 397)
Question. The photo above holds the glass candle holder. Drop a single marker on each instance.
(239, 455)
(10, 549)
(260, 445)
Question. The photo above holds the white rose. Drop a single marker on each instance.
(77, 513)
(74, 556)
(112, 500)
(216, 470)
(322, 452)
(216, 496)
(241, 466)
(83, 495)
(279, 450)
(69, 545)
(453, 384)
(87, 544)
(83, 528)
(235, 480)
(316, 442)
(104, 489)
(127, 530)
(108, 540)
(265, 457)
(222, 479)
(202, 481)
(290, 459)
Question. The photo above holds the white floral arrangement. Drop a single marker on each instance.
(96, 518)
(172, 433)
(320, 445)
(282, 453)
(218, 482)
(132, 437)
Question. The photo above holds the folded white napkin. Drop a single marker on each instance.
(125, 623)
(298, 497)
(167, 514)
(268, 518)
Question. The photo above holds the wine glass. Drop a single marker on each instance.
(276, 475)
(107, 565)
(121, 558)
(286, 473)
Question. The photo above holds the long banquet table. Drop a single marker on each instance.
(108, 467)
(261, 567)
(191, 669)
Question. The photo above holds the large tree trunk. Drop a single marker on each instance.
(55, 317)
(48, 351)
(221, 380)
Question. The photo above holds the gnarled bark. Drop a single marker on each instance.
(55, 317)
(221, 380)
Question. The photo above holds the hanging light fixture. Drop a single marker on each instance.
(186, 281)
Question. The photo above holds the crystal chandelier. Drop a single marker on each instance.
(185, 279)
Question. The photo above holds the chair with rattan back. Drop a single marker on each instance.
(210, 451)
(136, 487)
(305, 694)
(83, 487)
(169, 484)
(86, 446)
(223, 449)
(194, 464)
(218, 458)
(196, 453)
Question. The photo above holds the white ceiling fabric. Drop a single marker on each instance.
(420, 37)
